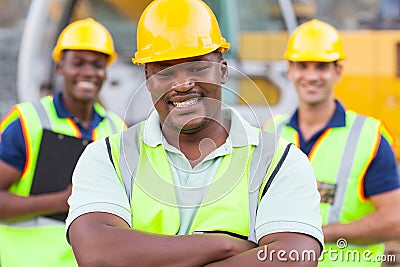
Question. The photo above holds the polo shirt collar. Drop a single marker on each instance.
(337, 120)
(62, 112)
(240, 134)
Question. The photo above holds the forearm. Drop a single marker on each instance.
(14, 206)
(376, 227)
(269, 256)
(284, 251)
(144, 249)
(373, 228)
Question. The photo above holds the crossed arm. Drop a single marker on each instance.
(103, 239)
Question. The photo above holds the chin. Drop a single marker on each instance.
(191, 126)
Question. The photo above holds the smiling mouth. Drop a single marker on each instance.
(186, 103)
(86, 85)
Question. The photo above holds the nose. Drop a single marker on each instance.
(311, 74)
(88, 69)
(183, 82)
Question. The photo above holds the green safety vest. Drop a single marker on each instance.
(41, 241)
(340, 158)
(229, 204)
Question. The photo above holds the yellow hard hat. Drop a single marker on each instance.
(315, 40)
(171, 29)
(85, 34)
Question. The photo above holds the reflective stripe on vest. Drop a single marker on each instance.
(344, 147)
(45, 121)
(42, 240)
(341, 157)
(42, 115)
(345, 168)
(129, 145)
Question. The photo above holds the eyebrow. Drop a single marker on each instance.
(166, 64)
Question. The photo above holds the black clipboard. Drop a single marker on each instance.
(58, 155)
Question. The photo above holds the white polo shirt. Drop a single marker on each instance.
(291, 204)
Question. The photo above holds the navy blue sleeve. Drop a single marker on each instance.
(12, 146)
(381, 175)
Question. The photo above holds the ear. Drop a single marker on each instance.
(339, 71)
(59, 66)
(147, 77)
(224, 71)
(289, 69)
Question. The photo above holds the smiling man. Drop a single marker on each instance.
(40, 144)
(350, 153)
(194, 184)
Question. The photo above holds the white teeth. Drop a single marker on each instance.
(186, 103)
(86, 84)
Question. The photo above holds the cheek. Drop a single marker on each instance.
(330, 77)
(157, 90)
(291, 73)
(102, 73)
(294, 75)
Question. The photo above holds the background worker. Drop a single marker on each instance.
(40, 144)
(351, 155)
(186, 169)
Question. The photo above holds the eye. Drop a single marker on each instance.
(301, 65)
(77, 63)
(99, 65)
(323, 66)
(198, 67)
(165, 73)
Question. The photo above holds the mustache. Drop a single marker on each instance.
(174, 94)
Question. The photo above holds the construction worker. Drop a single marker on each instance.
(175, 189)
(40, 144)
(350, 153)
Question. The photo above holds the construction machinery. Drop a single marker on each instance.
(258, 31)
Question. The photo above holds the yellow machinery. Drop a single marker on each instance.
(370, 31)
(258, 31)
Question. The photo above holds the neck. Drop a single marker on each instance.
(312, 118)
(82, 110)
(197, 145)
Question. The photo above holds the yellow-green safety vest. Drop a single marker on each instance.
(229, 204)
(40, 241)
(340, 157)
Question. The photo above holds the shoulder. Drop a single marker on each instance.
(98, 146)
(110, 115)
(18, 112)
(372, 127)
(296, 160)
(368, 120)
(271, 124)
(94, 158)
(292, 201)
(114, 116)
(293, 169)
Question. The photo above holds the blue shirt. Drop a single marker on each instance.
(381, 175)
(12, 145)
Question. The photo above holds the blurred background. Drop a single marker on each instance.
(12, 18)
(258, 31)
